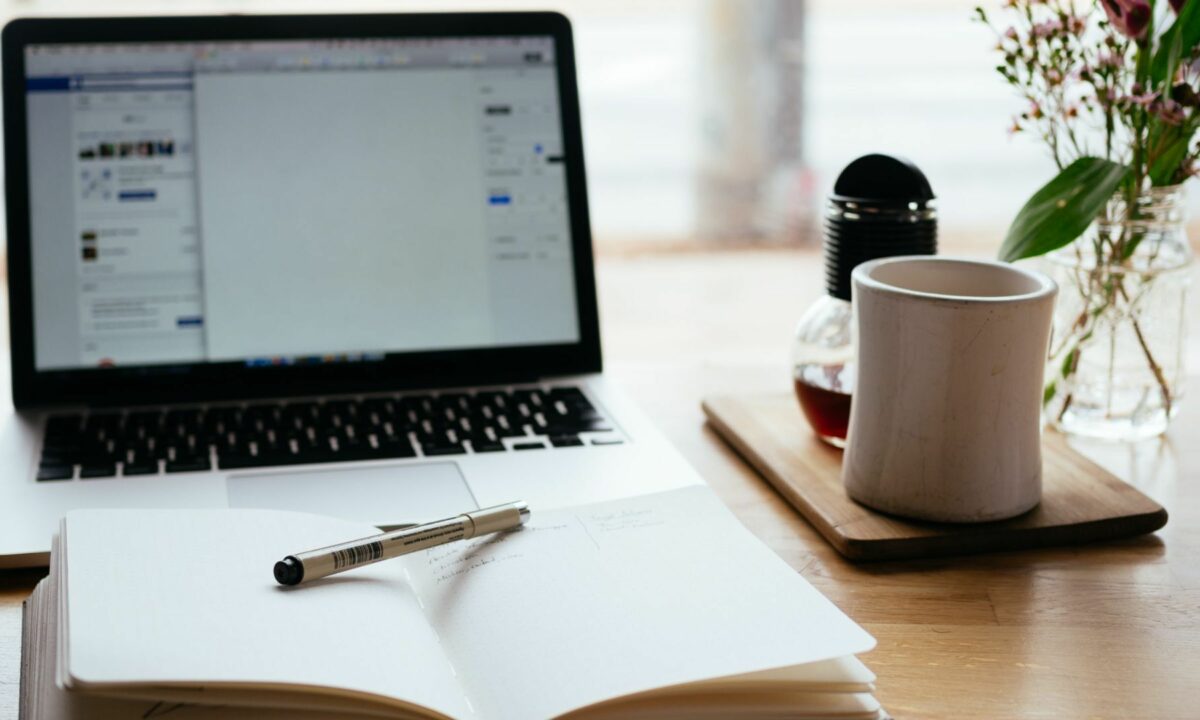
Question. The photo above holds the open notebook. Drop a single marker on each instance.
(658, 606)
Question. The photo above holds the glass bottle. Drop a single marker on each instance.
(823, 367)
(881, 207)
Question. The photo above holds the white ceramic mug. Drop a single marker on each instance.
(945, 422)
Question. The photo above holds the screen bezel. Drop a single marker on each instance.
(229, 380)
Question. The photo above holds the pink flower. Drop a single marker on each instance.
(1170, 111)
(1144, 100)
(1047, 28)
(1129, 17)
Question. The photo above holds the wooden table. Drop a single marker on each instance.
(1104, 631)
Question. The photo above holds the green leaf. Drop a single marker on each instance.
(1049, 392)
(1178, 40)
(1174, 149)
(1063, 208)
(1172, 45)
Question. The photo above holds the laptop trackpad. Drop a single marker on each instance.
(380, 495)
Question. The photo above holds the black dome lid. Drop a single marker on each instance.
(883, 225)
(882, 178)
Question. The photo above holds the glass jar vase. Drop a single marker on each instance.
(1116, 366)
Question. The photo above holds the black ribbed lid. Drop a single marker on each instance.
(879, 178)
(881, 207)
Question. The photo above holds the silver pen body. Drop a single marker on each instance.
(322, 562)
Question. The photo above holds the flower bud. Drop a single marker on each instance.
(1185, 95)
(1129, 17)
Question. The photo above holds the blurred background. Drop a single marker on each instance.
(718, 123)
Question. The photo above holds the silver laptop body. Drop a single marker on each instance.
(335, 264)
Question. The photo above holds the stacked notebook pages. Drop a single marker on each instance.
(661, 606)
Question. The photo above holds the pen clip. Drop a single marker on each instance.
(397, 526)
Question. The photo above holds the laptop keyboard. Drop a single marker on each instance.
(147, 442)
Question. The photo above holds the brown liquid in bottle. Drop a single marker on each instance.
(828, 411)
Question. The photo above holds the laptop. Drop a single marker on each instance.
(335, 264)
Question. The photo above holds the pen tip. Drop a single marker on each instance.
(289, 571)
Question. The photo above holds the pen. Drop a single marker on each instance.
(298, 568)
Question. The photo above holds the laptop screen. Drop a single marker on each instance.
(295, 202)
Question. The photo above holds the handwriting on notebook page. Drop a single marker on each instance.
(449, 562)
(452, 562)
(629, 519)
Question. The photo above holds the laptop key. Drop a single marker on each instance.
(222, 419)
(97, 470)
(535, 399)
(441, 448)
(455, 402)
(529, 446)
(495, 402)
(73, 440)
(195, 464)
(484, 436)
(565, 441)
(59, 456)
(238, 461)
(158, 450)
(383, 407)
(483, 447)
(140, 467)
(441, 442)
(400, 448)
(98, 458)
(55, 472)
(422, 405)
(505, 428)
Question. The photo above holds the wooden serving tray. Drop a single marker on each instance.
(1081, 501)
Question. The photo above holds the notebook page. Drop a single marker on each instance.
(187, 597)
(47, 700)
(601, 601)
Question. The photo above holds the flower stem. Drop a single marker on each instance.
(1155, 368)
